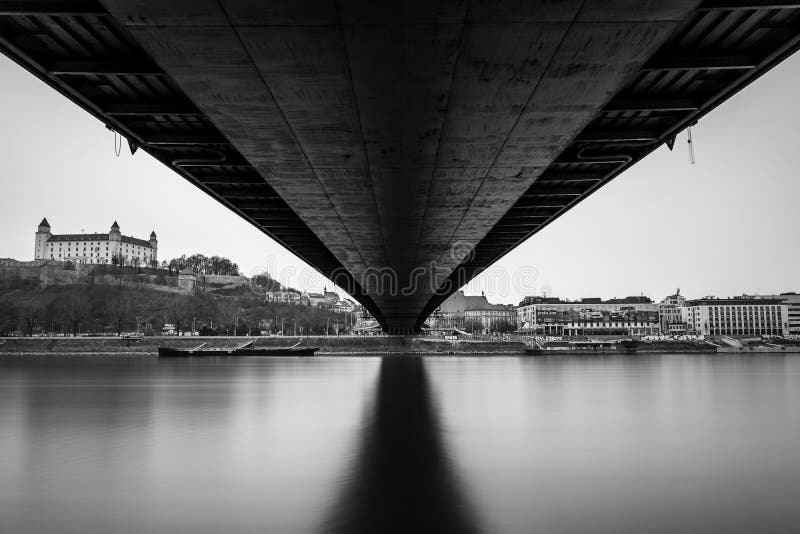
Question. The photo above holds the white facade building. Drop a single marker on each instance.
(736, 317)
(95, 248)
(344, 306)
(286, 297)
(792, 301)
(670, 311)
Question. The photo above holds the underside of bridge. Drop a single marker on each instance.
(398, 147)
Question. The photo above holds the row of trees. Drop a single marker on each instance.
(232, 316)
(500, 327)
(202, 265)
(120, 260)
(106, 309)
(73, 314)
(198, 263)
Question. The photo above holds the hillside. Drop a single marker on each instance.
(28, 307)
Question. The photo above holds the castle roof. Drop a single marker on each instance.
(98, 237)
(44, 223)
(78, 237)
(115, 225)
(152, 234)
(134, 241)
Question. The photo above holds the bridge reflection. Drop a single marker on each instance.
(402, 479)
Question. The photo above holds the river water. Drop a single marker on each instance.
(667, 444)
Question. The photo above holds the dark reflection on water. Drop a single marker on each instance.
(402, 479)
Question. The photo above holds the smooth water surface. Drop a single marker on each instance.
(108, 444)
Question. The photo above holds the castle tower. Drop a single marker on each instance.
(115, 243)
(42, 236)
(154, 244)
(115, 234)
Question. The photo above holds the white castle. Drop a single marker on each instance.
(109, 248)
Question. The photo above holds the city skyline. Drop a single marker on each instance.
(647, 232)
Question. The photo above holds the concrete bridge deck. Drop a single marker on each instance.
(394, 144)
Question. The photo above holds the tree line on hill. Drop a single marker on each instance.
(200, 264)
(29, 309)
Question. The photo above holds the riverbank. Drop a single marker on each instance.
(343, 345)
(659, 347)
(614, 352)
(352, 345)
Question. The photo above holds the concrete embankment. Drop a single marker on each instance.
(343, 345)
(618, 352)
(665, 350)
(759, 350)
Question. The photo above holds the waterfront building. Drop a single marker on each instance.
(738, 316)
(491, 319)
(451, 313)
(792, 301)
(110, 248)
(611, 328)
(670, 311)
(636, 316)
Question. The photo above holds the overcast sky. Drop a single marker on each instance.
(726, 225)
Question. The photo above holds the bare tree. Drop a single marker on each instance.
(76, 310)
(118, 310)
(504, 326)
(243, 322)
(178, 313)
(30, 314)
(229, 313)
(9, 316)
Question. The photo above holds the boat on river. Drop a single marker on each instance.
(245, 349)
